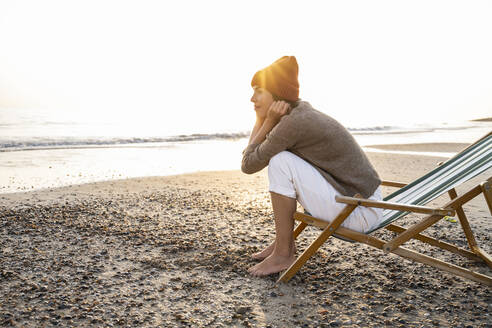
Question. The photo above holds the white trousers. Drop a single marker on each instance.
(291, 176)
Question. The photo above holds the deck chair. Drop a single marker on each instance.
(413, 198)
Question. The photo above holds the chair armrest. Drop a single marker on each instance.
(395, 206)
(393, 184)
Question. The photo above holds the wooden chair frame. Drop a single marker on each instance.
(454, 206)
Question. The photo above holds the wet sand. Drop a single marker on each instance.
(423, 147)
(174, 252)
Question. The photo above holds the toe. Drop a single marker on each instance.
(252, 269)
(253, 272)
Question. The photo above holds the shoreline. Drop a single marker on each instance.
(23, 171)
(410, 154)
(174, 251)
(61, 168)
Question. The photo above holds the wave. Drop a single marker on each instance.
(62, 142)
(35, 143)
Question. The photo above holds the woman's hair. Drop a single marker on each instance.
(290, 102)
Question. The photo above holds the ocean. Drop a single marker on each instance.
(39, 150)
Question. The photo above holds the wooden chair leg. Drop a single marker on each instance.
(418, 257)
(487, 193)
(430, 220)
(437, 243)
(485, 256)
(472, 242)
(316, 244)
(463, 221)
(451, 268)
(300, 227)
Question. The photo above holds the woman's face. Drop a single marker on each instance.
(262, 99)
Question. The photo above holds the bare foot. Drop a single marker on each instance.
(264, 253)
(272, 264)
(267, 251)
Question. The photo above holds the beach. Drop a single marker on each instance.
(123, 126)
(173, 251)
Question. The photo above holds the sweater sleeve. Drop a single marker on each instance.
(282, 137)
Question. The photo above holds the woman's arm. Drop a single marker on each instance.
(258, 124)
(260, 149)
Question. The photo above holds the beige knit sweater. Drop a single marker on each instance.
(321, 141)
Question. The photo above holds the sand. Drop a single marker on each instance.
(423, 147)
(174, 252)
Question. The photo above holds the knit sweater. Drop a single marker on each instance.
(321, 141)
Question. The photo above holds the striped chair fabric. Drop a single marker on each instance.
(467, 164)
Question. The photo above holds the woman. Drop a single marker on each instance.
(311, 159)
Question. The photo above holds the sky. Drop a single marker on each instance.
(190, 63)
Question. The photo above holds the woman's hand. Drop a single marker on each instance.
(264, 126)
(277, 110)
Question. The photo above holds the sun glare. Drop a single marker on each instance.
(191, 62)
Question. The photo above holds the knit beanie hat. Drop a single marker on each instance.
(280, 78)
